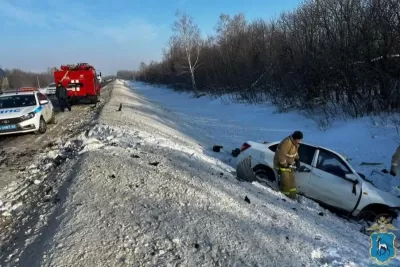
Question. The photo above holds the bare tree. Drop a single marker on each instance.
(187, 36)
(17, 78)
(329, 58)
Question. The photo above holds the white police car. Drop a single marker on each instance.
(25, 110)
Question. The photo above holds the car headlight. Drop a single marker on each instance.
(28, 116)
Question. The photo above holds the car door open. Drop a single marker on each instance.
(333, 182)
(302, 176)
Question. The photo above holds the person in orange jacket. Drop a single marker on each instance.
(286, 156)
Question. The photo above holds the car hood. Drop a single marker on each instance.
(378, 194)
(6, 113)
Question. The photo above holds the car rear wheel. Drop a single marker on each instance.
(53, 119)
(94, 99)
(72, 101)
(266, 175)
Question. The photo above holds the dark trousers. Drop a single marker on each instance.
(64, 104)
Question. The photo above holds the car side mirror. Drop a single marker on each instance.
(352, 177)
(43, 102)
(303, 169)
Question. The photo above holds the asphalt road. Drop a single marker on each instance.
(16, 151)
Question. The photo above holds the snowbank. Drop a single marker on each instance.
(143, 194)
(212, 120)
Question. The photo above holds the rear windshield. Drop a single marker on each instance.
(16, 101)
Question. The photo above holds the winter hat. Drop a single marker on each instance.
(297, 135)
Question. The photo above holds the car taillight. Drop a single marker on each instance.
(244, 147)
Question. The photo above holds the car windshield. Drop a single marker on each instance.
(16, 101)
(52, 85)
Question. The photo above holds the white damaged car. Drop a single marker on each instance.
(25, 110)
(324, 176)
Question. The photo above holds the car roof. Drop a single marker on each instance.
(17, 93)
(316, 146)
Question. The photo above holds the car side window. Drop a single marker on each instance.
(25, 101)
(306, 153)
(330, 163)
(273, 147)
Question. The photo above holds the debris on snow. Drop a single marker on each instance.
(235, 152)
(33, 188)
(6, 214)
(217, 148)
(17, 207)
(185, 204)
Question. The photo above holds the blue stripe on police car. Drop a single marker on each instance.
(38, 109)
(6, 111)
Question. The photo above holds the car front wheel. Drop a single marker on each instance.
(42, 126)
(374, 211)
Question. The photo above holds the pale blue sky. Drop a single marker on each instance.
(110, 34)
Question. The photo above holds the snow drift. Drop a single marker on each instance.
(141, 193)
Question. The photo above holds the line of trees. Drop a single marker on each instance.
(126, 74)
(18, 78)
(327, 56)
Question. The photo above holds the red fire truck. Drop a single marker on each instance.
(80, 80)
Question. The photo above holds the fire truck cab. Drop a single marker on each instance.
(80, 80)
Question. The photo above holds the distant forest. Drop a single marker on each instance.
(18, 78)
(330, 57)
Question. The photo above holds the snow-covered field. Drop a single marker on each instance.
(211, 120)
(218, 121)
(145, 190)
